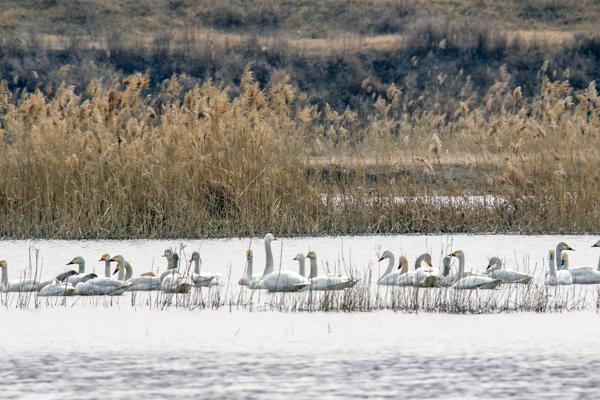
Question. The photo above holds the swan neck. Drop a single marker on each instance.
(461, 266)
(248, 276)
(121, 276)
(552, 267)
(314, 268)
(269, 262)
(82, 267)
(391, 263)
(419, 261)
(599, 263)
(106, 268)
(301, 264)
(4, 281)
(128, 271)
(558, 258)
(197, 266)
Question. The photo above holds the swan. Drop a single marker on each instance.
(57, 288)
(253, 282)
(390, 277)
(145, 282)
(471, 281)
(494, 270)
(24, 285)
(280, 281)
(89, 286)
(324, 282)
(74, 279)
(560, 277)
(171, 281)
(206, 278)
(426, 276)
(579, 275)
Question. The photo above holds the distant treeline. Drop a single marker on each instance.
(434, 58)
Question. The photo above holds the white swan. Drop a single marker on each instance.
(280, 281)
(389, 276)
(24, 285)
(57, 288)
(560, 277)
(74, 279)
(579, 275)
(145, 282)
(324, 282)
(427, 276)
(471, 281)
(101, 286)
(494, 270)
(171, 281)
(205, 278)
(253, 282)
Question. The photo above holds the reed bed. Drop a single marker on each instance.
(119, 162)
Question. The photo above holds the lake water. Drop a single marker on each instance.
(116, 350)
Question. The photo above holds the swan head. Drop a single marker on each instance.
(269, 237)
(119, 259)
(168, 253)
(563, 246)
(597, 244)
(403, 263)
(386, 254)
(249, 254)
(551, 253)
(77, 260)
(493, 264)
(105, 257)
(3, 264)
(311, 254)
(457, 253)
(299, 257)
(195, 256)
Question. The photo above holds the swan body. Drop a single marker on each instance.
(101, 286)
(28, 285)
(495, 270)
(389, 276)
(280, 281)
(323, 282)
(426, 276)
(57, 288)
(203, 279)
(472, 281)
(252, 282)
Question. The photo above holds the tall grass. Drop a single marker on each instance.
(119, 162)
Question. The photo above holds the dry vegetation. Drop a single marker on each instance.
(117, 161)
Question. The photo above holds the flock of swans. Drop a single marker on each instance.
(181, 280)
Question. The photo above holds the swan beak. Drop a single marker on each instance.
(428, 262)
(112, 259)
(381, 259)
(116, 270)
(70, 262)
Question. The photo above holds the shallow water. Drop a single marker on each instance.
(109, 349)
(360, 252)
(103, 353)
